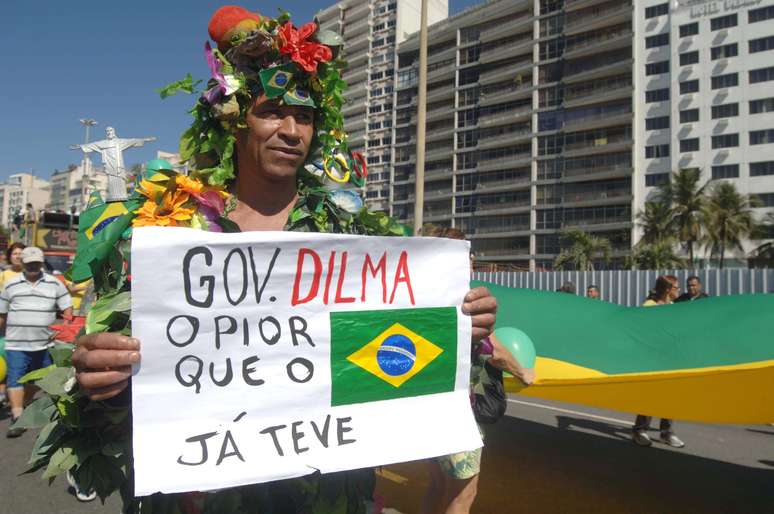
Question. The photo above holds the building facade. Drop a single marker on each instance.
(18, 191)
(71, 188)
(547, 115)
(705, 85)
(372, 29)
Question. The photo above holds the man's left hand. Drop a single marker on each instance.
(481, 306)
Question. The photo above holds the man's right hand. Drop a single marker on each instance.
(103, 363)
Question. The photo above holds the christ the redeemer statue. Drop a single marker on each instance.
(111, 150)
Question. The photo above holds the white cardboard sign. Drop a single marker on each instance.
(271, 355)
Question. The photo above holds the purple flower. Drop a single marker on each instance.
(226, 84)
(211, 206)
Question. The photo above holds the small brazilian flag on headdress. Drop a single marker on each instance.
(389, 354)
(275, 81)
(99, 229)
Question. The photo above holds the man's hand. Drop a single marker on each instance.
(103, 363)
(482, 307)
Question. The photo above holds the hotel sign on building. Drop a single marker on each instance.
(700, 8)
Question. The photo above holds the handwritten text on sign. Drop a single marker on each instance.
(271, 355)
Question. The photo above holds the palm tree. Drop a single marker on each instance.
(763, 255)
(656, 221)
(728, 218)
(583, 249)
(687, 199)
(656, 255)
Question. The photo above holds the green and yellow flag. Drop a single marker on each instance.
(389, 354)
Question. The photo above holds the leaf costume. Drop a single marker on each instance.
(254, 55)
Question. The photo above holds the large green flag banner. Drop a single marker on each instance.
(710, 360)
(270, 355)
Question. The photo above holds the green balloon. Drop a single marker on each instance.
(155, 165)
(518, 343)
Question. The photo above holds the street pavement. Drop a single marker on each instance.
(545, 457)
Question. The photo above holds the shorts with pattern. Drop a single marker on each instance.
(462, 465)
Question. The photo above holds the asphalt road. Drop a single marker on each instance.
(544, 458)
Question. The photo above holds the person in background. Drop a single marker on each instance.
(454, 478)
(28, 305)
(13, 257)
(567, 287)
(665, 292)
(13, 269)
(593, 292)
(4, 262)
(694, 290)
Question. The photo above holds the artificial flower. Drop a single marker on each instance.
(168, 214)
(303, 52)
(189, 185)
(226, 84)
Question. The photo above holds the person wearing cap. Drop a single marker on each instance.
(28, 305)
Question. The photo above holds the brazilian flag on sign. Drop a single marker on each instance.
(99, 229)
(389, 354)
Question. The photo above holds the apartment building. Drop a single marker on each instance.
(546, 115)
(71, 188)
(705, 98)
(372, 29)
(529, 125)
(19, 190)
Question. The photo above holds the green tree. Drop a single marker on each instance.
(686, 198)
(659, 254)
(582, 250)
(656, 221)
(763, 255)
(728, 219)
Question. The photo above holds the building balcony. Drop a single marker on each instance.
(445, 72)
(604, 42)
(439, 94)
(438, 114)
(358, 11)
(440, 134)
(352, 125)
(352, 46)
(329, 14)
(507, 28)
(599, 120)
(431, 217)
(505, 162)
(590, 197)
(352, 30)
(504, 140)
(443, 55)
(600, 146)
(357, 61)
(500, 118)
(505, 254)
(597, 18)
(574, 5)
(599, 70)
(511, 71)
(354, 76)
(352, 108)
(497, 186)
(439, 154)
(509, 50)
(614, 91)
(514, 230)
(509, 94)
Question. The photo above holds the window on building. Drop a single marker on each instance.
(764, 199)
(761, 169)
(725, 141)
(761, 137)
(689, 86)
(656, 179)
(656, 151)
(761, 14)
(657, 95)
(727, 80)
(689, 115)
(725, 171)
(689, 145)
(377, 75)
(656, 68)
(689, 58)
(657, 10)
(761, 75)
(657, 123)
(762, 105)
(373, 142)
(374, 108)
(723, 22)
(689, 29)
(725, 111)
(657, 40)
(376, 125)
(724, 51)
(761, 45)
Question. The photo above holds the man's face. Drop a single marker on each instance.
(277, 138)
(694, 287)
(32, 268)
(592, 292)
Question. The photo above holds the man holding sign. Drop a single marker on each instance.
(273, 355)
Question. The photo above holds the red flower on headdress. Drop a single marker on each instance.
(305, 53)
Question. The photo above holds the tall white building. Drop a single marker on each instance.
(72, 187)
(372, 29)
(704, 95)
(18, 191)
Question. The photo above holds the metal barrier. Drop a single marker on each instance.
(631, 287)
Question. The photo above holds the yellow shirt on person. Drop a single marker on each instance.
(6, 275)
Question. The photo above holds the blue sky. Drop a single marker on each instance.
(63, 61)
